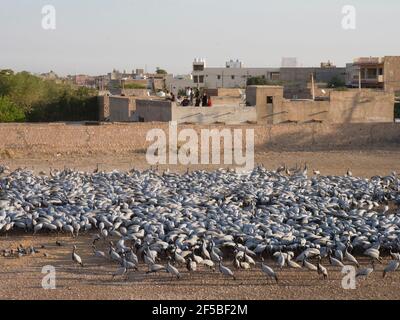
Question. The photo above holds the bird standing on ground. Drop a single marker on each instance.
(75, 258)
(321, 269)
(292, 264)
(172, 270)
(366, 271)
(226, 271)
(191, 265)
(98, 253)
(395, 255)
(373, 254)
(309, 266)
(392, 267)
(335, 262)
(154, 268)
(120, 272)
(269, 271)
(349, 257)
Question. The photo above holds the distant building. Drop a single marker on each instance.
(296, 80)
(234, 64)
(177, 83)
(375, 72)
(367, 72)
(234, 75)
(84, 80)
(326, 65)
(49, 76)
(289, 62)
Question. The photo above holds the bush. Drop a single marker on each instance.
(9, 111)
(397, 111)
(75, 105)
(257, 81)
(336, 82)
(262, 81)
(161, 71)
(134, 86)
(26, 96)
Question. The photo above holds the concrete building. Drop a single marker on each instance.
(84, 80)
(351, 106)
(118, 108)
(391, 74)
(267, 105)
(165, 111)
(298, 81)
(176, 83)
(375, 72)
(289, 62)
(49, 76)
(304, 94)
(233, 75)
(366, 72)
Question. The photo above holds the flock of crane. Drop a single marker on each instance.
(128, 259)
(207, 219)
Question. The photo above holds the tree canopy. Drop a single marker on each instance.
(27, 97)
(161, 71)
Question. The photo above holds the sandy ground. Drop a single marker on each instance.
(21, 278)
(365, 163)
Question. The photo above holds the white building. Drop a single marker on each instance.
(289, 62)
(234, 75)
(179, 82)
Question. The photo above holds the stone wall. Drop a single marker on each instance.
(228, 114)
(104, 107)
(121, 108)
(355, 106)
(392, 74)
(352, 106)
(153, 110)
(135, 92)
(303, 111)
(34, 140)
(160, 110)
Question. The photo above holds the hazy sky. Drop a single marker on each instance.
(95, 36)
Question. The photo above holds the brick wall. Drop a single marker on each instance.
(31, 140)
(392, 74)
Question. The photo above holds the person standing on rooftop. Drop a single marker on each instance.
(204, 101)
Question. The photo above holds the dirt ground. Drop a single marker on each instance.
(21, 278)
(364, 163)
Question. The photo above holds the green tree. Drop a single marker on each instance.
(261, 81)
(161, 71)
(336, 82)
(257, 81)
(397, 110)
(9, 111)
(44, 100)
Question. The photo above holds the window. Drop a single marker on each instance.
(233, 77)
(196, 79)
(219, 77)
(201, 79)
(371, 73)
(381, 71)
(275, 76)
(198, 67)
(270, 100)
